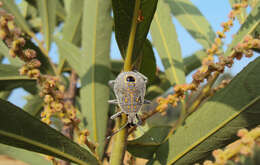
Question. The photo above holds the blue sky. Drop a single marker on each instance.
(215, 11)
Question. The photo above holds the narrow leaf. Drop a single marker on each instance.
(67, 4)
(193, 21)
(123, 13)
(5, 94)
(248, 27)
(60, 11)
(72, 23)
(19, 129)
(252, 3)
(166, 42)
(11, 7)
(152, 140)
(117, 66)
(10, 79)
(34, 105)
(71, 31)
(24, 155)
(73, 55)
(94, 93)
(148, 63)
(47, 10)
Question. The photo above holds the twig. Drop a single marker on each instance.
(69, 98)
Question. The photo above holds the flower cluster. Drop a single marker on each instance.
(209, 66)
(245, 48)
(53, 94)
(244, 146)
(12, 37)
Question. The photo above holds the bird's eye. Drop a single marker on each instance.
(130, 79)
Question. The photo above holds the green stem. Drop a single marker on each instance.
(129, 52)
(119, 142)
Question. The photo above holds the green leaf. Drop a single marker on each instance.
(216, 122)
(117, 66)
(5, 94)
(24, 155)
(149, 142)
(67, 4)
(10, 79)
(71, 31)
(248, 27)
(148, 63)
(19, 129)
(166, 42)
(252, 3)
(94, 93)
(72, 23)
(11, 7)
(5, 52)
(34, 105)
(123, 13)
(73, 55)
(158, 86)
(193, 21)
(194, 61)
(242, 14)
(47, 10)
(60, 11)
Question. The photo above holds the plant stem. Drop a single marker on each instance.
(204, 93)
(69, 97)
(119, 143)
(129, 52)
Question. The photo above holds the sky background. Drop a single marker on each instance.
(215, 11)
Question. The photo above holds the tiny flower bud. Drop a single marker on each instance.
(242, 132)
(2, 34)
(12, 53)
(29, 53)
(48, 98)
(221, 34)
(23, 70)
(34, 63)
(231, 15)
